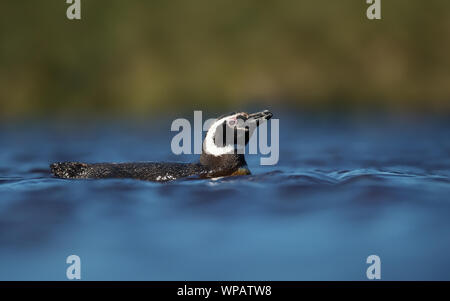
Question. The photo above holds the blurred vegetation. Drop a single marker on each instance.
(140, 57)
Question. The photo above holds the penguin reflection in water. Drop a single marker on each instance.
(222, 155)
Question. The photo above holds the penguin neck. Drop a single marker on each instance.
(225, 163)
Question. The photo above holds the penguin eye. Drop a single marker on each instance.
(231, 122)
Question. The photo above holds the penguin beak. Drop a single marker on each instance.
(259, 116)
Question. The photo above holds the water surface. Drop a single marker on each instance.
(342, 190)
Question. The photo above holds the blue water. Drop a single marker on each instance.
(343, 189)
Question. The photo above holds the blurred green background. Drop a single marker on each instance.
(136, 57)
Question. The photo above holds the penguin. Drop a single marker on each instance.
(222, 155)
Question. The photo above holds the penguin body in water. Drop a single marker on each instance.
(221, 156)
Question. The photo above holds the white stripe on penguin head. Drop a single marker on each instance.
(210, 147)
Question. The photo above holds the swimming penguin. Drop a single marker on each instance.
(221, 156)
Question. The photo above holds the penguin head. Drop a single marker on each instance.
(232, 132)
